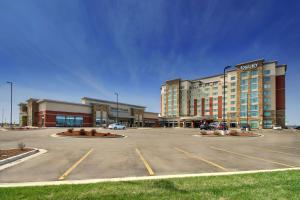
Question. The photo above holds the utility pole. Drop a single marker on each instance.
(117, 94)
(11, 85)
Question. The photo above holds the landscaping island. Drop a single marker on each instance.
(235, 133)
(4, 154)
(89, 134)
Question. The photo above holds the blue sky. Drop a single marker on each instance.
(69, 49)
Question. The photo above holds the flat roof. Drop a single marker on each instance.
(112, 102)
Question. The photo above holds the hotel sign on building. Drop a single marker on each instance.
(249, 67)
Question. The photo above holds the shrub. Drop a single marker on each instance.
(82, 132)
(93, 131)
(70, 130)
(21, 146)
(233, 133)
(203, 133)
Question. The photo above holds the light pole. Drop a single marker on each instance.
(117, 94)
(224, 96)
(11, 84)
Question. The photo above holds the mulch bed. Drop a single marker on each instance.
(12, 152)
(89, 134)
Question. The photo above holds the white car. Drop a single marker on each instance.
(277, 127)
(116, 126)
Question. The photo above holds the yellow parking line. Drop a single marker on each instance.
(200, 158)
(149, 169)
(75, 165)
(251, 157)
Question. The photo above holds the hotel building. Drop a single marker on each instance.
(89, 113)
(254, 95)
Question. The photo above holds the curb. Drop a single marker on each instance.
(90, 181)
(21, 158)
(17, 157)
(55, 135)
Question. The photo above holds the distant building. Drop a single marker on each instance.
(254, 92)
(89, 113)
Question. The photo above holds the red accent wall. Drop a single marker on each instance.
(195, 107)
(280, 92)
(210, 106)
(203, 106)
(220, 106)
(50, 117)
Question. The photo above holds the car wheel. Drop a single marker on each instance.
(115, 128)
(123, 128)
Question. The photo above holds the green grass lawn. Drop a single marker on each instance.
(274, 185)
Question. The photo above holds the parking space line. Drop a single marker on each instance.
(75, 165)
(188, 154)
(280, 152)
(251, 157)
(290, 147)
(147, 165)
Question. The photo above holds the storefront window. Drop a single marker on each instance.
(69, 121)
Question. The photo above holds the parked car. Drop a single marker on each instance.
(204, 127)
(213, 125)
(277, 127)
(223, 126)
(116, 126)
(297, 127)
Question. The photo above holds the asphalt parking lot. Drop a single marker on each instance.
(147, 152)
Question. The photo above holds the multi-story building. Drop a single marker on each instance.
(254, 95)
(89, 113)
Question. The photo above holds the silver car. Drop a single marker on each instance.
(117, 126)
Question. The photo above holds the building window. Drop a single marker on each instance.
(232, 90)
(254, 87)
(254, 108)
(267, 72)
(232, 84)
(267, 92)
(267, 107)
(267, 114)
(232, 96)
(232, 109)
(254, 73)
(254, 100)
(244, 82)
(232, 102)
(254, 113)
(243, 108)
(244, 74)
(267, 79)
(267, 86)
(244, 87)
(267, 100)
(243, 114)
(254, 81)
(268, 123)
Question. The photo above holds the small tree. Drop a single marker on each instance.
(21, 146)
(93, 131)
(82, 132)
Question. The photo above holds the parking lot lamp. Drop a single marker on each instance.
(11, 84)
(117, 94)
(224, 96)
